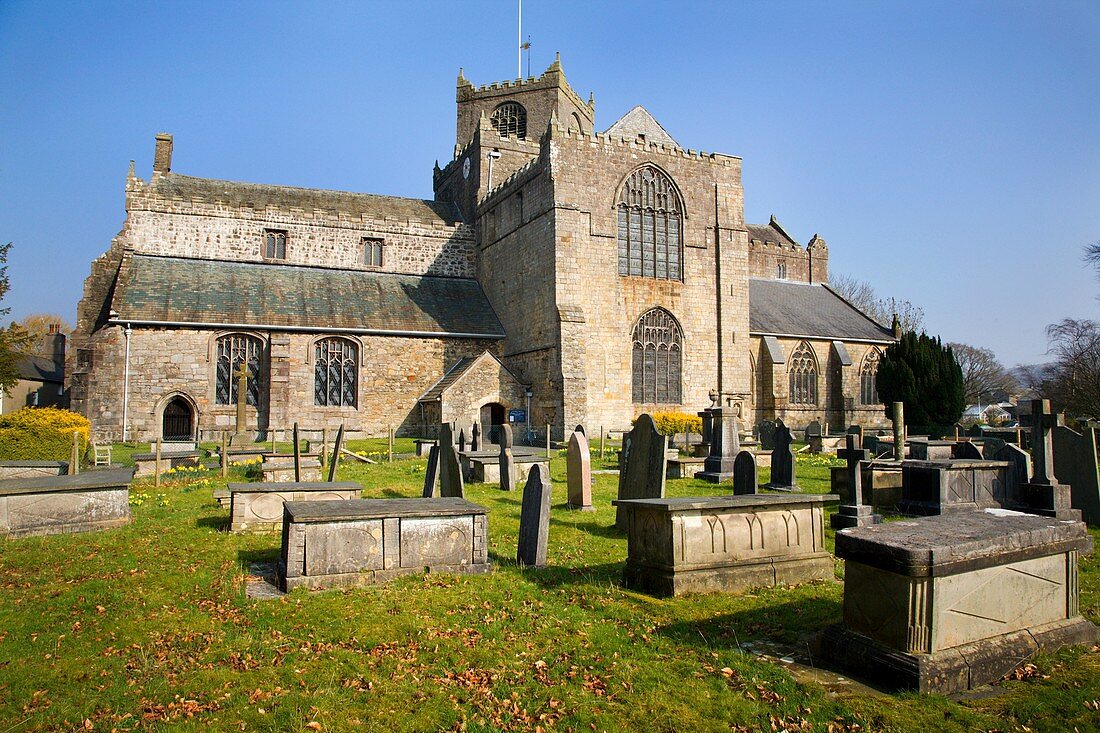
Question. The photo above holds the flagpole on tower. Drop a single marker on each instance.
(519, 43)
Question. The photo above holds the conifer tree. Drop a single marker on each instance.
(922, 373)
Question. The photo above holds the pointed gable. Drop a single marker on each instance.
(639, 121)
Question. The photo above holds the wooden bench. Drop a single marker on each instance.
(332, 544)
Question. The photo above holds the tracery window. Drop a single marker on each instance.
(868, 373)
(510, 120)
(336, 371)
(650, 226)
(372, 251)
(274, 244)
(803, 376)
(656, 359)
(234, 350)
(781, 271)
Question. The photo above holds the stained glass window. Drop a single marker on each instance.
(234, 350)
(649, 230)
(336, 371)
(656, 359)
(803, 376)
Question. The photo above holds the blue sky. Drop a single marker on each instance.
(948, 152)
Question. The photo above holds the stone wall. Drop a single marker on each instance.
(809, 265)
(485, 382)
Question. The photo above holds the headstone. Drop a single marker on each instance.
(967, 451)
(724, 445)
(782, 468)
(898, 423)
(475, 436)
(765, 432)
(643, 476)
(1019, 466)
(579, 429)
(744, 473)
(813, 430)
(534, 518)
(1075, 463)
(506, 460)
(856, 430)
(450, 469)
(578, 463)
(1043, 494)
(462, 440)
(431, 473)
(855, 513)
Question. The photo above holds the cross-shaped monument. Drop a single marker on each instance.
(242, 397)
(854, 513)
(1043, 494)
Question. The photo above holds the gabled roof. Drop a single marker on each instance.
(785, 308)
(261, 195)
(207, 293)
(772, 233)
(457, 371)
(638, 121)
(40, 369)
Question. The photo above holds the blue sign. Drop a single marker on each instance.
(517, 416)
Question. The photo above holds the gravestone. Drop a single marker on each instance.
(1019, 467)
(431, 473)
(506, 461)
(578, 463)
(856, 430)
(534, 518)
(1043, 494)
(462, 440)
(898, 425)
(579, 429)
(782, 468)
(475, 438)
(1075, 463)
(966, 451)
(744, 473)
(643, 475)
(450, 469)
(813, 430)
(854, 513)
(765, 432)
(724, 445)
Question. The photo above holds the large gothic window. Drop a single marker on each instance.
(868, 392)
(336, 371)
(510, 120)
(803, 376)
(649, 231)
(234, 350)
(656, 359)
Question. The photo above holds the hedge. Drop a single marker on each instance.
(41, 434)
(674, 423)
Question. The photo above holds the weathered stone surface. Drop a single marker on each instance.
(724, 445)
(506, 462)
(145, 464)
(765, 432)
(331, 544)
(578, 464)
(431, 473)
(534, 518)
(1076, 464)
(450, 469)
(729, 543)
(1019, 467)
(744, 473)
(923, 449)
(947, 603)
(854, 512)
(283, 472)
(486, 470)
(782, 468)
(423, 446)
(642, 475)
(31, 469)
(881, 484)
(936, 487)
(682, 467)
(966, 451)
(258, 507)
(62, 504)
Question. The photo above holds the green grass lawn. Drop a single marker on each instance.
(148, 626)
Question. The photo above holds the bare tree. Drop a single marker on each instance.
(1074, 382)
(1092, 257)
(860, 294)
(983, 374)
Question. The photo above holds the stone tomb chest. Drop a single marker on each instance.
(330, 544)
(938, 487)
(948, 603)
(146, 463)
(258, 507)
(62, 504)
(725, 543)
(30, 469)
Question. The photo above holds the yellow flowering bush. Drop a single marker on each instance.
(673, 423)
(41, 434)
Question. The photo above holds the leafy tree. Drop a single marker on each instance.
(922, 373)
(38, 325)
(982, 373)
(860, 294)
(13, 339)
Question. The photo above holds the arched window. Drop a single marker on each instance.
(803, 376)
(656, 358)
(868, 392)
(234, 350)
(752, 380)
(335, 372)
(510, 120)
(649, 231)
(577, 124)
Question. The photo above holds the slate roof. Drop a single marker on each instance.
(769, 232)
(40, 369)
(449, 377)
(260, 195)
(245, 294)
(638, 121)
(786, 308)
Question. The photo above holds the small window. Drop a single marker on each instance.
(781, 270)
(519, 207)
(274, 244)
(372, 252)
(84, 358)
(510, 120)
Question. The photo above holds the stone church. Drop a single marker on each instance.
(559, 275)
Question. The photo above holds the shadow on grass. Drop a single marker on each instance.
(554, 576)
(592, 528)
(789, 622)
(218, 524)
(248, 558)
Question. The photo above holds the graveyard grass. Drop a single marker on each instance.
(147, 627)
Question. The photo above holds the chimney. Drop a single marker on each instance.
(162, 156)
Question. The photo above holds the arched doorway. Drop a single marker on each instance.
(492, 417)
(178, 420)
